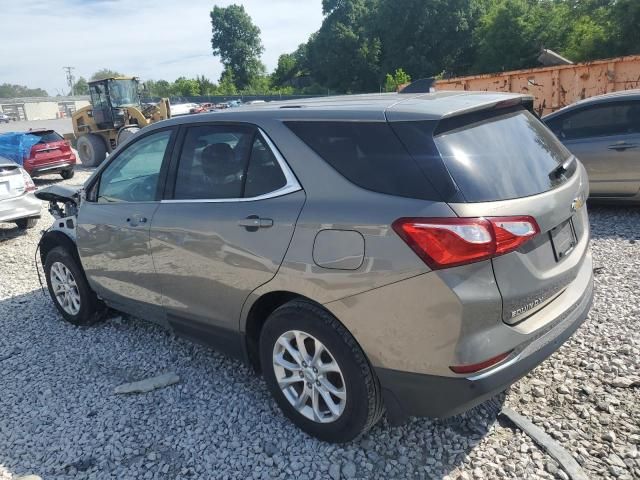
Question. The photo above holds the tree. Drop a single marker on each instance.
(227, 85)
(206, 86)
(426, 37)
(16, 91)
(105, 73)
(236, 40)
(185, 87)
(81, 87)
(392, 82)
(344, 55)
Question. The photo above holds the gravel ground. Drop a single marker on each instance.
(60, 419)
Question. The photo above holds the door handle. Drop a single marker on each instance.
(622, 146)
(254, 222)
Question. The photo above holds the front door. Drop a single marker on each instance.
(113, 227)
(223, 230)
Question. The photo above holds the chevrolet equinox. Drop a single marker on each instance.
(408, 253)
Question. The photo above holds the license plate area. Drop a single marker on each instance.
(563, 239)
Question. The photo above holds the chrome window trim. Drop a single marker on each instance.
(290, 186)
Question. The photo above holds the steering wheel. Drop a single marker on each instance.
(143, 191)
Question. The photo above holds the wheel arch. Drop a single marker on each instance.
(257, 315)
(55, 238)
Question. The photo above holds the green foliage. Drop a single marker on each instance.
(8, 90)
(344, 55)
(392, 82)
(425, 37)
(227, 84)
(361, 39)
(236, 40)
(185, 87)
(105, 73)
(81, 87)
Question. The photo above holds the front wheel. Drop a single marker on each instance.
(318, 374)
(67, 174)
(69, 289)
(91, 149)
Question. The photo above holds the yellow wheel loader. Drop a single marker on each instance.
(114, 115)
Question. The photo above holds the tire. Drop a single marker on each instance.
(67, 174)
(355, 379)
(91, 149)
(89, 308)
(25, 223)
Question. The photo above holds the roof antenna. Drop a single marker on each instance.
(422, 85)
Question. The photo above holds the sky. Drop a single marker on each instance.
(150, 39)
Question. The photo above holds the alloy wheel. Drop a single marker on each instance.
(65, 288)
(309, 376)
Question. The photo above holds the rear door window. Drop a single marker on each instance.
(264, 175)
(367, 154)
(598, 121)
(496, 156)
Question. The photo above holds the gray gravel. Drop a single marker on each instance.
(60, 418)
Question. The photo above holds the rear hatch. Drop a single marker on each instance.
(503, 162)
(12, 182)
(50, 148)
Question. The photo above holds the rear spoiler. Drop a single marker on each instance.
(516, 100)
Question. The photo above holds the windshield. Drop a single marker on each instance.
(123, 93)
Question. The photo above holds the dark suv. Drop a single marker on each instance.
(417, 253)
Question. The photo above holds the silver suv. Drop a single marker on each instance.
(414, 253)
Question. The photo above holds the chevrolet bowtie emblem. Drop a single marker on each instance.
(577, 203)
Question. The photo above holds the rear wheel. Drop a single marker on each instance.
(69, 289)
(91, 149)
(318, 374)
(25, 223)
(67, 174)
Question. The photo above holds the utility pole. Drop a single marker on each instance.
(70, 78)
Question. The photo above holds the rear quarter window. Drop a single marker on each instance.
(367, 154)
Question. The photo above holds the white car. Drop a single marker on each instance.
(18, 203)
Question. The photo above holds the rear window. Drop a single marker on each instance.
(499, 157)
(367, 154)
(48, 136)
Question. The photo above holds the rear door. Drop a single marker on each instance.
(223, 229)
(504, 164)
(606, 139)
(113, 226)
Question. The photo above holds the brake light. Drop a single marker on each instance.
(28, 181)
(449, 242)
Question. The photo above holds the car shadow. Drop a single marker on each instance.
(9, 231)
(57, 389)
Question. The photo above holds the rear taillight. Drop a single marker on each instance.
(28, 182)
(448, 242)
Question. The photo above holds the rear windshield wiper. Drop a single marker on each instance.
(563, 169)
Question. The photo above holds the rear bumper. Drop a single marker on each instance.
(24, 206)
(414, 394)
(52, 167)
